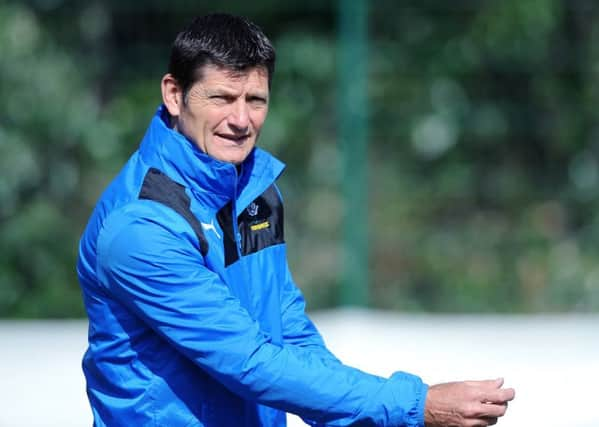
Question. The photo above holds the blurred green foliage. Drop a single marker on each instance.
(484, 144)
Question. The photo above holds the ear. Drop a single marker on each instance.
(172, 95)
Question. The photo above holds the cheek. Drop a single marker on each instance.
(212, 120)
(258, 118)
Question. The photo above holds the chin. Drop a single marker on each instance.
(235, 159)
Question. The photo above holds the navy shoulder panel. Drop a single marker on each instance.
(160, 188)
(225, 220)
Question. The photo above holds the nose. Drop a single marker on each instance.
(239, 118)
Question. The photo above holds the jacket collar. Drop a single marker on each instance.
(212, 181)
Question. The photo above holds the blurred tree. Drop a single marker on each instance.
(485, 128)
(483, 148)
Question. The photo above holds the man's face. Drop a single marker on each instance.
(224, 112)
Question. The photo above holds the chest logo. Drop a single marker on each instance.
(210, 226)
(260, 226)
(252, 209)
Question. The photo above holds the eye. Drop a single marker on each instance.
(257, 100)
(222, 98)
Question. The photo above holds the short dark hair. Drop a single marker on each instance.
(231, 42)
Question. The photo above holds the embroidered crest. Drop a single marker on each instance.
(252, 209)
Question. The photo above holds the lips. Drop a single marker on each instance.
(234, 138)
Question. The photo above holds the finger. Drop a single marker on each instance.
(481, 422)
(501, 395)
(493, 411)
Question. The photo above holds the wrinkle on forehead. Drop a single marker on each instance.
(231, 72)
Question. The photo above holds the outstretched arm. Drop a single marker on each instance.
(298, 329)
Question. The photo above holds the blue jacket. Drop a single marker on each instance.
(194, 319)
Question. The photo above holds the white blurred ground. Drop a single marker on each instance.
(552, 361)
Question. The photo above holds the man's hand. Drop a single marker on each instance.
(466, 404)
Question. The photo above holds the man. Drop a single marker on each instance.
(194, 319)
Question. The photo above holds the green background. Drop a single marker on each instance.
(482, 159)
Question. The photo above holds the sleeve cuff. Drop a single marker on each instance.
(421, 404)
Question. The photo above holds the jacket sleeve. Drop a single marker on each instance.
(155, 270)
(298, 329)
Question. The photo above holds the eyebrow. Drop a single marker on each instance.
(223, 90)
(258, 94)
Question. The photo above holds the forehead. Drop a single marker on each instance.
(213, 75)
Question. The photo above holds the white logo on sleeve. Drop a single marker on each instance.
(210, 226)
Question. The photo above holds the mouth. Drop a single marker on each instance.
(237, 139)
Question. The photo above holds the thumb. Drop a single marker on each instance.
(498, 382)
(487, 384)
